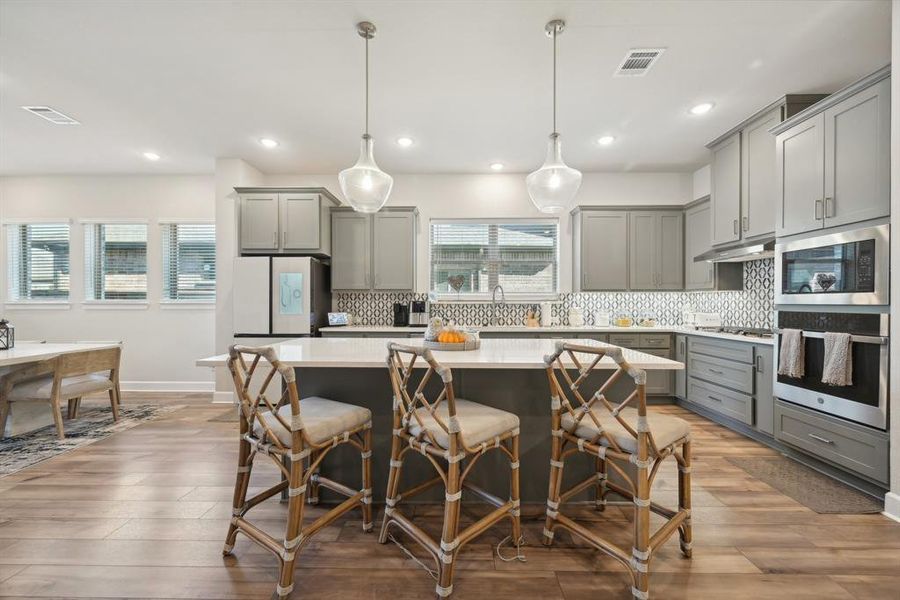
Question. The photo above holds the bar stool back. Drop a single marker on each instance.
(613, 433)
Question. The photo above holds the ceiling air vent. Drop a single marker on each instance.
(52, 115)
(638, 61)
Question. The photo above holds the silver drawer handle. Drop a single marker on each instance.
(717, 372)
(819, 438)
(713, 398)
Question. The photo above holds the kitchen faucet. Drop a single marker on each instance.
(494, 302)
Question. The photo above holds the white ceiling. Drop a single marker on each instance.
(468, 81)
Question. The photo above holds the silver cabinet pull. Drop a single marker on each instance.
(819, 438)
(714, 398)
(759, 364)
(735, 226)
(274, 239)
(829, 207)
(819, 209)
(284, 239)
(745, 223)
(716, 371)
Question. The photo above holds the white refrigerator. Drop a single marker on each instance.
(280, 296)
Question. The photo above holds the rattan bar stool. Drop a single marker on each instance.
(299, 434)
(452, 434)
(617, 436)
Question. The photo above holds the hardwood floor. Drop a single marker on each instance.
(143, 514)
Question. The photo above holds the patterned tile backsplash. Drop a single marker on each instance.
(751, 307)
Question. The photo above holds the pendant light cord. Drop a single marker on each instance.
(554, 80)
(367, 86)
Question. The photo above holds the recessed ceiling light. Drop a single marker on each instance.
(404, 142)
(268, 142)
(702, 108)
(606, 140)
(496, 166)
(151, 156)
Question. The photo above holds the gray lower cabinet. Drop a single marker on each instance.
(373, 252)
(733, 404)
(764, 367)
(659, 383)
(601, 250)
(656, 250)
(681, 342)
(722, 377)
(854, 447)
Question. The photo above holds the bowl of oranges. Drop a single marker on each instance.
(441, 336)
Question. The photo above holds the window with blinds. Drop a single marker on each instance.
(471, 257)
(189, 261)
(115, 261)
(37, 261)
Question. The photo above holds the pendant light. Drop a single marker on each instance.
(364, 185)
(553, 187)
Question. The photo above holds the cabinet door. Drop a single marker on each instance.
(765, 400)
(857, 157)
(670, 251)
(604, 250)
(697, 240)
(299, 221)
(259, 222)
(800, 157)
(659, 382)
(726, 191)
(681, 376)
(758, 176)
(350, 251)
(643, 248)
(393, 251)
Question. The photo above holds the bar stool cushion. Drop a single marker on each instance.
(666, 429)
(70, 387)
(323, 419)
(477, 423)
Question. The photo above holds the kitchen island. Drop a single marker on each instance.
(504, 373)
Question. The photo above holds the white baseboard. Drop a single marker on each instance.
(223, 398)
(892, 506)
(168, 386)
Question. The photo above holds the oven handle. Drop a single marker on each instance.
(862, 339)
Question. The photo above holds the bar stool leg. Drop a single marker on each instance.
(449, 540)
(313, 496)
(293, 536)
(241, 483)
(602, 491)
(367, 480)
(514, 492)
(640, 553)
(553, 495)
(684, 499)
(393, 487)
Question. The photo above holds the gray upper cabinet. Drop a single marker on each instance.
(394, 250)
(374, 252)
(758, 176)
(601, 250)
(726, 190)
(656, 250)
(351, 246)
(697, 240)
(259, 221)
(285, 220)
(833, 159)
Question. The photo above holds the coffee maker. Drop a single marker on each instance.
(418, 313)
(401, 315)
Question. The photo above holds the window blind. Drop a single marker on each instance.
(475, 256)
(189, 261)
(115, 261)
(37, 261)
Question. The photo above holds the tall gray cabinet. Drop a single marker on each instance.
(374, 252)
(285, 220)
(833, 159)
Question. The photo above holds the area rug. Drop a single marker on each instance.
(807, 486)
(92, 425)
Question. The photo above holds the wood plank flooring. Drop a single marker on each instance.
(143, 515)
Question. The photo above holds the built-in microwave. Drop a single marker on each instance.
(846, 268)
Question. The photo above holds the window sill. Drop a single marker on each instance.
(37, 305)
(186, 305)
(115, 305)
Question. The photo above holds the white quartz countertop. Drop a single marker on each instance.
(32, 352)
(558, 329)
(493, 354)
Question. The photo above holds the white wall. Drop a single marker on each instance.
(504, 195)
(160, 344)
(892, 500)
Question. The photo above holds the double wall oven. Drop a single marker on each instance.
(843, 280)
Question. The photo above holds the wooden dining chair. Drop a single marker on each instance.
(67, 377)
(621, 436)
(296, 435)
(446, 431)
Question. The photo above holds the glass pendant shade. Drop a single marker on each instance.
(364, 185)
(553, 187)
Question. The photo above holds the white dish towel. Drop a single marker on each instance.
(838, 365)
(791, 355)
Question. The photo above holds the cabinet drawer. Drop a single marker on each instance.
(726, 373)
(732, 404)
(626, 340)
(599, 337)
(851, 446)
(655, 340)
(738, 351)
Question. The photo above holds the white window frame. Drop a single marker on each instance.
(169, 303)
(486, 297)
(34, 303)
(112, 303)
